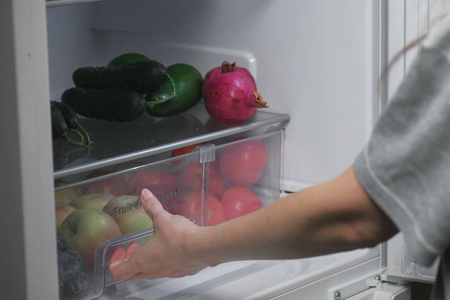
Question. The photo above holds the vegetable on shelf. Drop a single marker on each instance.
(109, 104)
(72, 120)
(142, 77)
(230, 94)
(182, 91)
(62, 130)
(127, 58)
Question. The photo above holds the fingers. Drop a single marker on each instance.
(119, 265)
(123, 264)
(151, 204)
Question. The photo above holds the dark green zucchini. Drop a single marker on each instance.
(60, 129)
(110, 104)
(142, 77)
(71, 119)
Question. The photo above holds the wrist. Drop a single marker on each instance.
(201, 247)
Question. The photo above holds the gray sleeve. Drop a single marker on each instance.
(405, 166)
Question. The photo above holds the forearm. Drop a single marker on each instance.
(326, 218)
(330, 217)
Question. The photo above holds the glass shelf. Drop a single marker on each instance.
(55, 3)
(115, 143)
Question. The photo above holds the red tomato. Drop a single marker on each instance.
(184, 150)
(159, 183)
(242, 164)
(238, 201)
(115, 185)
(190, 206)
(192, 176)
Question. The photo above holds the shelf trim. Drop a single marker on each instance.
(57, 3)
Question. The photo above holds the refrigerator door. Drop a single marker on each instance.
(27, 220)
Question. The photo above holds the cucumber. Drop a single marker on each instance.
(116, 105)
(142, 77)
(59, 125)
(71, 119)
(60, 129)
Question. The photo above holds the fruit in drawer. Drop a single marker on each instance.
(61, 212)
(158, 182)
(182, 151)
(85, 228)
(191, 177)
(127, 58)
(230, 94)
(179, 93)
(191, 206)
(66, 195)
(116, 185)
(69, 262)
(76, 287)
(128, 213)
(95, 200)
(238, 201)
(242, 164)
(186, 150)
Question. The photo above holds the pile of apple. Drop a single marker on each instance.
(108, 208)
(86, 220)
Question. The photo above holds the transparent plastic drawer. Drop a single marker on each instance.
(102, 213)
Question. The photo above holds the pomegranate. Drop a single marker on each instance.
(230, 94)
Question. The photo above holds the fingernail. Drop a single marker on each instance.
(117, 257)
(114, 264)
(130, 250)
(146, 194)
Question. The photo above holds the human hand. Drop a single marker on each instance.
(165, 254)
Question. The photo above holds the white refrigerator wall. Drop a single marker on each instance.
(316, 60)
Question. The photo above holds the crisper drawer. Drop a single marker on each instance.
(102, 214)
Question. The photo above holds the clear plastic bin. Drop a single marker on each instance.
(210, 185)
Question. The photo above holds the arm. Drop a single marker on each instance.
(326, 218)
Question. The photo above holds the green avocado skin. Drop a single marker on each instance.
(188, 91)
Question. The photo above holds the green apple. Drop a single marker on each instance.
(128, 213)
(85, 228)
(95, 200)
(65, 196)
(61, 212)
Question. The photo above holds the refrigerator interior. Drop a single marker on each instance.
(286, 46)
(318, 62)
(298, 52)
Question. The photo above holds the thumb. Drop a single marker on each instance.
(151, 204)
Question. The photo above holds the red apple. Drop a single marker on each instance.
(61, 212)
(128, 213)
(96, 200)
(158, 182)
(85, 228)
